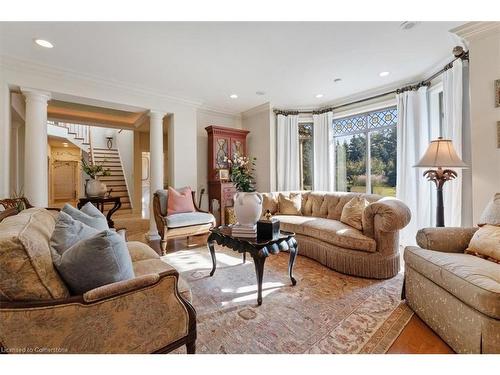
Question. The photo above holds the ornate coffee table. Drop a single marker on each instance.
(259, 250)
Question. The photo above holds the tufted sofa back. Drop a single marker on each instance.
(327, 205)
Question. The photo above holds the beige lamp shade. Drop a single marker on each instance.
(441, 154)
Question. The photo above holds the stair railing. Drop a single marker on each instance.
(90, 146)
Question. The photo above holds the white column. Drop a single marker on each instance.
(5, 129)
(155, 165)
(35, 149)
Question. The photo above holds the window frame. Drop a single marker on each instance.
(365, 111)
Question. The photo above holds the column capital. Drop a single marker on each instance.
(154, 114)
(35, 94)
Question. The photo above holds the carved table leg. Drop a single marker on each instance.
(210, 245)
(244, 257)
(293, 254)
(115, 208)
(259, 271)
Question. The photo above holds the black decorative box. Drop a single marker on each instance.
(268, 229)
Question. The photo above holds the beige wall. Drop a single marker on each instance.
(203, 119)
(484, 50)
(261, 144)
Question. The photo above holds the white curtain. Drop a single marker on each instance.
(287, 145)
(323, 152)
(452, 129)
(412, 141)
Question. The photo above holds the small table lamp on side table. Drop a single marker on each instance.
(441, 155)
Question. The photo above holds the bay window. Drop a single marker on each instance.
(365, 152)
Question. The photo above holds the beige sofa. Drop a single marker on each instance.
(456, 294)
(150, 313)
(372, 252)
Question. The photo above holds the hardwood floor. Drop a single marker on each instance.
(416, 337)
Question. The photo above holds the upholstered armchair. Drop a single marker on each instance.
(182, 224)
(456, 294)
(150, 313)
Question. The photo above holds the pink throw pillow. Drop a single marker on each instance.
(179, 201)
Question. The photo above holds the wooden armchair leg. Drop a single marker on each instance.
(191, 347)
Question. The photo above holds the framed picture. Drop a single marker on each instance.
(224, 174)
(497, 93)
(498, 134)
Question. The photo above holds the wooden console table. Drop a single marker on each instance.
(99, 203)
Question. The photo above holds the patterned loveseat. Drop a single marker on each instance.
(149, 313)
(372, 252)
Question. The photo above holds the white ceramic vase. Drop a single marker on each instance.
(95, 188)
(248, 207)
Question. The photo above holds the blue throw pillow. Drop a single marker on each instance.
(88, 214)
(68, 232)
(96, 261)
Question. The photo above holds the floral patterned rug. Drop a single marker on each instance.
(326, 312)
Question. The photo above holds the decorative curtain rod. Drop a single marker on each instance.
(458, 52)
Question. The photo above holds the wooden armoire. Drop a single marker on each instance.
(223, 143)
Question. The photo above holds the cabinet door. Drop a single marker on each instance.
(237, 147)
(221, 151)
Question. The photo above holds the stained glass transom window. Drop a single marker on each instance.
(386, 117)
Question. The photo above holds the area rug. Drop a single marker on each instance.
(326, 312)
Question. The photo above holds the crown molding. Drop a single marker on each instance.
(223, 112)
(258, 109)
(51, 72)
(474, 30)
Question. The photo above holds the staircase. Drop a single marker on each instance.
(110, 159)
(80, 135)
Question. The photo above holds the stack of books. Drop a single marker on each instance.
(245, 231)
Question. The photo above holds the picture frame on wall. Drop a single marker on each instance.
(498, 134)
(497, 93)
(224, 175)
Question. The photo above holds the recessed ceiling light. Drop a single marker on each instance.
(260, 93)
(319, 96)
(383, 74)
(44, 43)
(233, 96)
(336, 80)
(407, 25)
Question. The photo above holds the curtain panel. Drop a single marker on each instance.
(412, 141)
(323, 152)
(287, 146)
(453, 125)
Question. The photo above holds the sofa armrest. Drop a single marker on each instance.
(448, 240)
(386, 215)
(120, 287)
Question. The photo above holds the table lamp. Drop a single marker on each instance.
(441, 155)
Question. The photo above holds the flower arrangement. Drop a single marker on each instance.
(94, 170)
(242, 171)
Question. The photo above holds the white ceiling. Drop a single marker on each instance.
(207, 61)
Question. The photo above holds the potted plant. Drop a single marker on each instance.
(94, 187)
(247, 202)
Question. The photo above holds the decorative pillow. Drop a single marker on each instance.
(89, 214)
(269, 202)
(486, 243)
(69, 231)
(179, 201)
(491, 214)
(96, 261)
(352, 213)
(290, 205)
